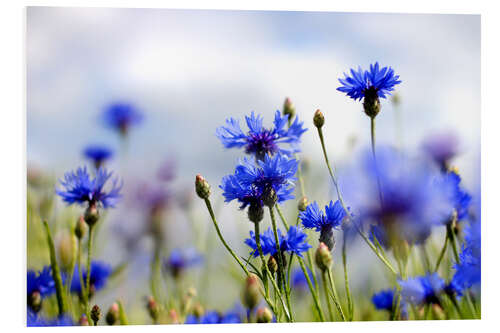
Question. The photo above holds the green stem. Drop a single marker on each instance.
(451, 235)
(441, 255)
(89, 259)
(56, 273)
(314, 294)
(313, 271)
(265, 270)
(350, 304)
(80, 273)
(121, 314)
(335, 295)
(282, 217)
(327, 295)
(212, 215)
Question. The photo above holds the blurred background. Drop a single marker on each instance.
(189, 70)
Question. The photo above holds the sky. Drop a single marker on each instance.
(189, 70)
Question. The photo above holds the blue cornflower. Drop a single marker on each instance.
(120, 116)
(398, 194)
(422, 289)
(214, 317)
(99, 274)
(98, 154)
(460, 199)
(363, 82)
(260, 141)
(299, 280)
(153, 197)
(386, 300)
(295, 241)
(34, 320)
(179, 260)
(468, 271)
(80, 188)
(42, 282)
(250, 182)
(314, 218)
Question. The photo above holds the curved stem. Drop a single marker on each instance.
(314, 294)
(335, 295)
(350, 304)
(443, 251)
(327, 295)
(89, 259)
(212, 215)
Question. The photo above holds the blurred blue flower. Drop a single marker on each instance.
(398, 194)
(299, 280)
(379, 81)
(441, 148)
(422, 289)
(295, 241)
(387, 299)
(468, 270)
(384, 299)
(80, 188)
(460, 199)
(179, 260)
(120, 116)
(260, 141)
(34, 320)
(251, 181)
(42, 282)
(152, 197)
(98, 154)
(214, 317)
(99, 274)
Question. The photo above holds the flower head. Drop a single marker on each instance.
(42, 282)
(99, 274)
(251, 182)
(422, 289)
(80, 188)
(98, 154)
(295, 241)
(459, 198)
(386, 300)
(314, 218)
(179, 260)
(364, 82)
(120, 116)
(398, 194)
(260, 141)
(35, 320)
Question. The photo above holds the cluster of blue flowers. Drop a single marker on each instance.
(251, 182)
(295, 241)
(99, 275)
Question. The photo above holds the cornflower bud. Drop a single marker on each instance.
(95, 314)
(35, 301)
(302, 204)
(272, 265)
(255, 213)
(264, 315)
(269, 197)
(113, 314)
(173, 318)
(153, 308)
(289, 108)
(80, 228)
(202, 187)
(318, 119)
(83, 321)
(251, 292)
(323, 257)
(91, 214)
(67, 251)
